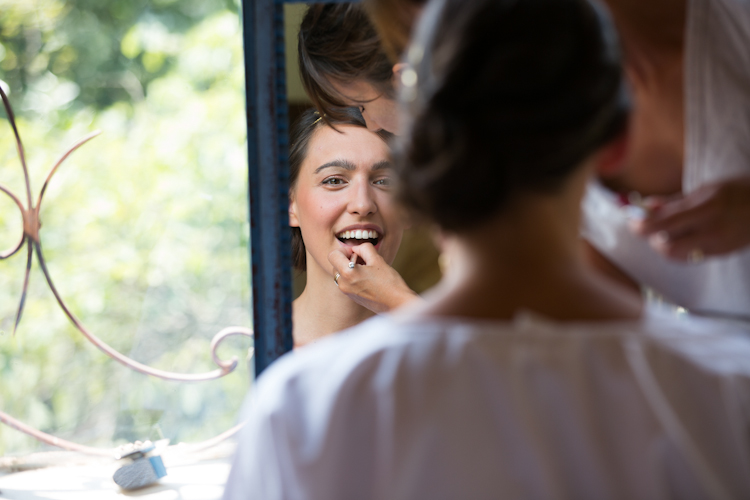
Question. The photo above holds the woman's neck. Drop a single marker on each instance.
(322, 309)
(528, 258)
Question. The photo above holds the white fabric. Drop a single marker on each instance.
(717, 91)
(717, 139)
(529, 409)
(715, 285)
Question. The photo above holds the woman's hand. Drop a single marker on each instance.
(374, 285)
(712, 220)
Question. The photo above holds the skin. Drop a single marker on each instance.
(374, 284)
(344, 184)
(379, 111)
(714, 219)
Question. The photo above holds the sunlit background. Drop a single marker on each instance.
(144, 229)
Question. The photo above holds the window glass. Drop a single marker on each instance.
(144, 228)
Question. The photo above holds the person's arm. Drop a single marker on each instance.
(374, 285)
(604, 266)
(712, 220)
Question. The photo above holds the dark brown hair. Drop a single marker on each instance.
(507, 97)
(394, 19)
(337, 42)
(301, 133)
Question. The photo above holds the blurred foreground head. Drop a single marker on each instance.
(504, 98)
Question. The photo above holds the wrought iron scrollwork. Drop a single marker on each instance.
(32, 239)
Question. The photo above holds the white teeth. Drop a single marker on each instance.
(360, 234)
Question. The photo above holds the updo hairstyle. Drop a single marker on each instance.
(506, 98)
(337, 41)
(301, 133)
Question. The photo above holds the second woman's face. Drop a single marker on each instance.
(342, 196)
(380, 112)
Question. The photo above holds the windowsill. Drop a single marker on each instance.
(197, 476)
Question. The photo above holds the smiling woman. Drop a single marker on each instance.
(340, 207)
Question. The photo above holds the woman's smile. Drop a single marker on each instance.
(342, 197)
(356, 235)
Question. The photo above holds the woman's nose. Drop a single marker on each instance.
(362, 201)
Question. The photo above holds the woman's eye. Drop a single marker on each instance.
(333, 181)
(385, 181)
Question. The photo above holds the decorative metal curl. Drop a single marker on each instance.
(107, 452)
(52, 440)
(31, 237)
(112, 452)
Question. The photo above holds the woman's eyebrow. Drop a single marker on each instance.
(345, 164)
(382, 165)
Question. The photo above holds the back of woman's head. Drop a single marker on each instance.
(300, 136)
(337, 42)
(507, 97)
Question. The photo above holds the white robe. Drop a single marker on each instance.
(528, 409)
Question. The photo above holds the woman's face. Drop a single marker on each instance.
(342, 196)
(380, 112)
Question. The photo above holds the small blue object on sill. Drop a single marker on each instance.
(143, 470)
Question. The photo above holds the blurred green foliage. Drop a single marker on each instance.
(108, 51)
(144, 229)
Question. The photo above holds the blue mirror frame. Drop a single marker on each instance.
(268, 178)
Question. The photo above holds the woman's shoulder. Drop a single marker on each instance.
(430, 367)
(425, 344)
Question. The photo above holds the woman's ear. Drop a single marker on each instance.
(397, 70)
(611, 158)
(293, 220)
